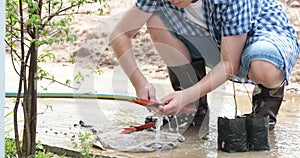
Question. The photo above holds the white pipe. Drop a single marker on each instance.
(2, 76)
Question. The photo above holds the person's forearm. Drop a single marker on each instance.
(120, 41)
(231, 51)
(215, 78)
(123, 50)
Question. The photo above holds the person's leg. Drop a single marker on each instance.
(171, 49)
(183, 72)
(257, 73)
(265, 68)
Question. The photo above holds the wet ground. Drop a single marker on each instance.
(284, 141)
(59, 125)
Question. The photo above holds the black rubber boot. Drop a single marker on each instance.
(266, 101)
(203, 109)
(182, 77)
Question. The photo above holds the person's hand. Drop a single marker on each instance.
(173, 103)
(146, 91)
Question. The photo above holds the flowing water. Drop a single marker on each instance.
(158, 125)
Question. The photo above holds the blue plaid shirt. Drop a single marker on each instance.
(263, 20)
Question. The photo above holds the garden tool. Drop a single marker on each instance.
(145, 126)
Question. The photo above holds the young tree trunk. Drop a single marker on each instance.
(33, 94)
(30, 93)
(30, 106)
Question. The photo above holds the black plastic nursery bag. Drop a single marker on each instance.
(232, 134)
(258, 132)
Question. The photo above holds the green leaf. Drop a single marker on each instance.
(8, 114)
(71, 38)
(68, 82)
(75, 145)
(73, 60)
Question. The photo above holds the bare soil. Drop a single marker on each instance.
(92, 47)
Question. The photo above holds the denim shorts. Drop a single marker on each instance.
(205, 47)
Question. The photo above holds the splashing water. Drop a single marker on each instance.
(140, 141)
(158, 125)
(177, 126)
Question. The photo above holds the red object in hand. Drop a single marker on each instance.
(144, 102)
(188, 109)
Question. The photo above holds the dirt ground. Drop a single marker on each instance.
(92, 44)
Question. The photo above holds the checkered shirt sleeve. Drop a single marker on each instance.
(236, 17)
(174, 15)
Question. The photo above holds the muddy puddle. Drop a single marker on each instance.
(284, 141)
(60, 126)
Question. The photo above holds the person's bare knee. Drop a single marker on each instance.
(265, 73)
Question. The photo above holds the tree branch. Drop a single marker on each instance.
(50, 79)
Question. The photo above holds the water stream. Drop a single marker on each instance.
(158, 125)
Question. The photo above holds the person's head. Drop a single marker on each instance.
(182, 3)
